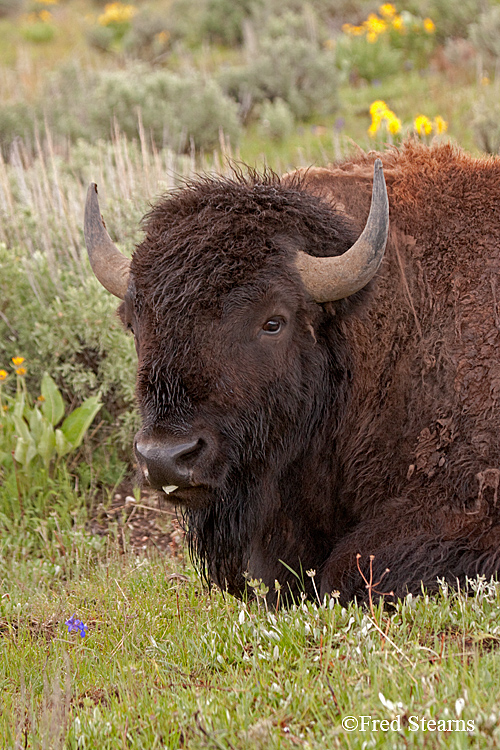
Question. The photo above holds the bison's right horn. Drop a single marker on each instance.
(110, 266)
(337, 277)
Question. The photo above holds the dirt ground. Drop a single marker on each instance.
(140, 523)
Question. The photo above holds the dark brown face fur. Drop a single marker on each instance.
(234, 362)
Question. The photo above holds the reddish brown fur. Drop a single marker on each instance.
(403, 460)
(422, 427)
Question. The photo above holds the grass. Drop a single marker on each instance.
(166, 664)
(42, 198)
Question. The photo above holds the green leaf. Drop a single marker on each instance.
(77, 423)
(21, 450)
(25, 451)
(47, 443)
(63, 446)
(53, 404)
(22, 429)
(19, 404)
(36, 423)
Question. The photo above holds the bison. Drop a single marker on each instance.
(307, 401)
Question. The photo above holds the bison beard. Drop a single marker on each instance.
(304, 433)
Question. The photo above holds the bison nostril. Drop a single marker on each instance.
(168, 464)
(187, 451)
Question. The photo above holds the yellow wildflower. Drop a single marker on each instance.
(374, 24)
(3, 375)
(16, 361)
(380, 112)
(398, 24)
(485, 81)
(441, 126)
(429, 26)
(45, 15)
(377, 106)
(116, 13)
(348, 28)
(387, 10)
(41, 398)
(376, 123)
(21, 371)
(393, 123)
(423, 125)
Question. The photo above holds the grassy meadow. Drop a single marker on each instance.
(108, 638)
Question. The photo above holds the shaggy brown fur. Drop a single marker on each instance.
(371, 426)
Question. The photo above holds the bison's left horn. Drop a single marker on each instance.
(110, 266)
(328, 279)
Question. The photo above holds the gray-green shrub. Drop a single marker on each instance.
(452, 18)
(223, 20)
(357, 58)
(74, 335)
(485, 35)
(100, 37)
(16, 121)
(276, 120)
(149, 35)
(146, 37)
(175, 110)
(486, 121)
(286, 64)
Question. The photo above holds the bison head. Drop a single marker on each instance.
(238, 360)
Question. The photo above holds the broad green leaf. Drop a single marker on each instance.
(36, 423)
(22, 429)
(25, 451)
(63, 446)
(30, 454)
(20, 404)
(53, 404)
(47, 443)
(77, 423)
(21, 450)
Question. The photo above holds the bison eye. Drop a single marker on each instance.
(273, 325)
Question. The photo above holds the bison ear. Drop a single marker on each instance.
(337, 277)
(110, 266)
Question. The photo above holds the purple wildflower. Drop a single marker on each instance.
(74, 624)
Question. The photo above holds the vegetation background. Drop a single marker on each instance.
(105, 644)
